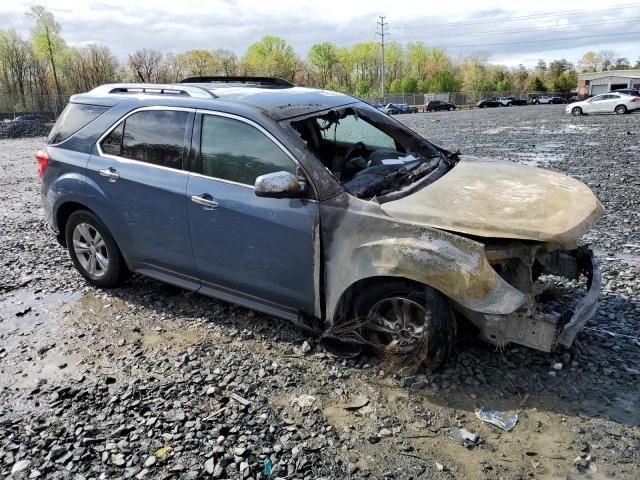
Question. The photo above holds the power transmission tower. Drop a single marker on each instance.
(382, 34)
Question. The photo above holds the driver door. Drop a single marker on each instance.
(251, 250)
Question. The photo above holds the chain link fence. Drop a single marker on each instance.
(45, 106)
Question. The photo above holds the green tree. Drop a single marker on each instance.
(395, 87)
(409, 85)
(323, 56)
(199, 63)
(565, 82)
(47, 41)
(271, 56)
(444, 81)
(363, 88)
(537, 85)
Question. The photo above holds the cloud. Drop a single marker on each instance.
(234, 25)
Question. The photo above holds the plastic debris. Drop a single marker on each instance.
(500, 419)
(466, 438)
(268, 467)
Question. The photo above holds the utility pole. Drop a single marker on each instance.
(382, 34)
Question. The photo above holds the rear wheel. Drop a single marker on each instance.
(621, 109)
(93, 250)
(576, 111)
(408, 324)
(451, 109)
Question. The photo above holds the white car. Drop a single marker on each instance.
(605, 103)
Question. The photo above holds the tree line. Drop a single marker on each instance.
(44, 65)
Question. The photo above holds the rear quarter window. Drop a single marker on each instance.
(74, 117)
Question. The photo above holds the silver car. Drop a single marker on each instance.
(619, 103)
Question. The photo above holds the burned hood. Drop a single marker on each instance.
(502, 200)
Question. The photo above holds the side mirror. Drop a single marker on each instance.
(279, 185)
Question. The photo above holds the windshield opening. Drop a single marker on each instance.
(370, 154)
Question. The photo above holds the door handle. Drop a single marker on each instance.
(205, 200)
(110, 173)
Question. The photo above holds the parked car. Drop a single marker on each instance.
(319, 209)
(628, 91)
(547, 99)
(619, 103)
(437, 105)
(392, 109)
(488, 103)
(510, 101)
(404, 108)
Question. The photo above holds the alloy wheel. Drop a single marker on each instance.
(90, 249)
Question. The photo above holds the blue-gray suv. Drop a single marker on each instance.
(314, 206)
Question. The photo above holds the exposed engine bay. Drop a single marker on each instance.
(372, 155)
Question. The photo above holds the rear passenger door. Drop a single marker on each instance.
(139, 191)
(248, 249)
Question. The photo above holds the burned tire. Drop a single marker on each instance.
(407, 323)
(576, 111)
(621, 109)
(93, 250)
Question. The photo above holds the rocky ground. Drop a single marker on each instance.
(150, 381)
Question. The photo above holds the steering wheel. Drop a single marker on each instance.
(358, 147)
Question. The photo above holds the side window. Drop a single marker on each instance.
(112, 145)
(151, 136)
(236, 151)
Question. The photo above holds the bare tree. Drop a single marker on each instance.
(86, 68)
(145, 65)
(607, 59)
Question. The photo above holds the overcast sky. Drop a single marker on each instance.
(552, 29)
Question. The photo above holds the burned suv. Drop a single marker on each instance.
(314, 206)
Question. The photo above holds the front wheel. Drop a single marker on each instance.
(576, 111)
(621, 110)
(451, 109)
(93, 250)
(408, 324)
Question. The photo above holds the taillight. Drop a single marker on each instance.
(43, 160)
(634, 99)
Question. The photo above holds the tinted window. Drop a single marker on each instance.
(73, 118)
(112, 145)
(151, 136)
(233, 150)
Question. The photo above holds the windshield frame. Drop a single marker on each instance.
(387, 124)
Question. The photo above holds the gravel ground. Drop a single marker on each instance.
(150, 381)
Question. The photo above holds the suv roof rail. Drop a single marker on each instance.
(154, 89)
(264, 81)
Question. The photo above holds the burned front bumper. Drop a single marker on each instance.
(563, 288)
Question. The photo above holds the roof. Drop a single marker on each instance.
(277, 101)
(610, 73)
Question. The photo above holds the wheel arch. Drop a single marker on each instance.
(345, 304)
(64, 212)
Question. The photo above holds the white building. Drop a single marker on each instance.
(602, 82)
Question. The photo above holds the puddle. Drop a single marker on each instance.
(568, 129)
(496, 130)
(20, 307)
